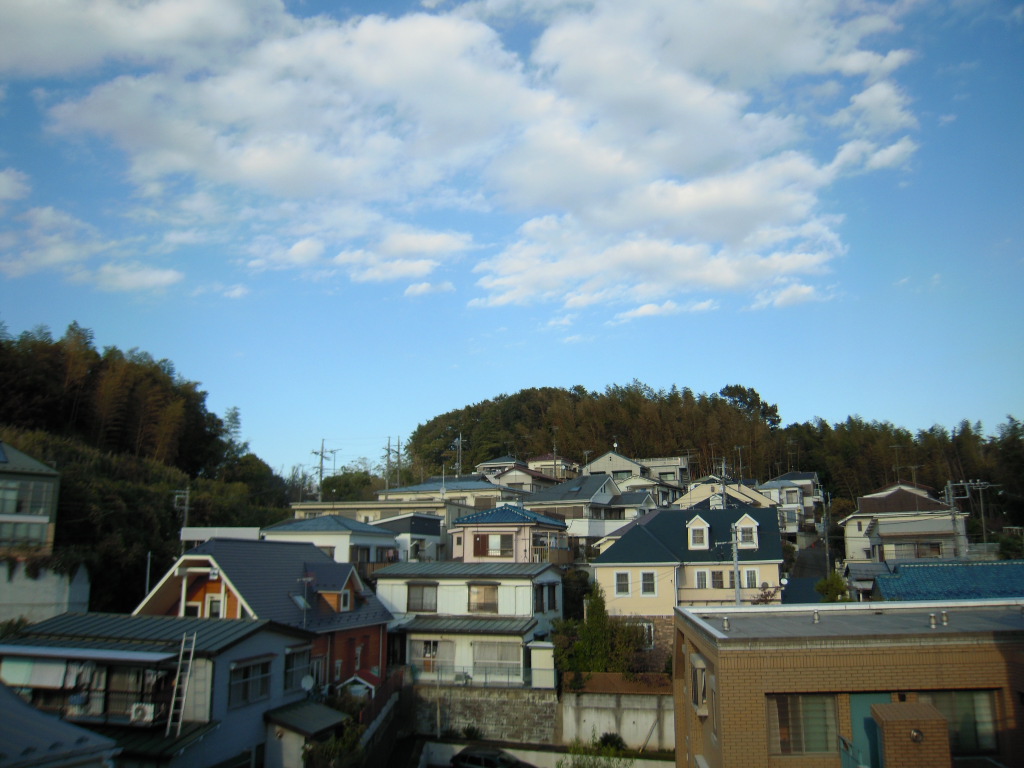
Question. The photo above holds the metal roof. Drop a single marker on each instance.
(506, 514)
(663, 537)
(952, 580)
(270, 574)
(325, 524)
(13, 461)
(31, 738)
(306, 717)
(470, 625)
(116, 633)
(453, 569)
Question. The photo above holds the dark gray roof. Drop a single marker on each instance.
(271, 574)
(307, 717)
(31, 738)
(325, 524)
(662, 537)
(470, 625)
(577, 489)
(453, 569)
(506, 514)
(15, 462)
(124, 633)
(457, 483)
(415, 523)
(797, 476)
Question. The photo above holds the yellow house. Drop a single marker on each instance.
(692, 557)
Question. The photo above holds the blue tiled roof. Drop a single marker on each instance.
(506, 514)
(952, 580)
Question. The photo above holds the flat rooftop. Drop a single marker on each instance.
(838, 621)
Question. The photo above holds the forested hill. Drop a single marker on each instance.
(852, 457)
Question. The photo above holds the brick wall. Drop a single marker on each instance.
(913, 735)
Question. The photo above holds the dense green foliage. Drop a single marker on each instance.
(115, 513)
(596, 643)
(852, 458)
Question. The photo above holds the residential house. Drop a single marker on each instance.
(28, 503)
(674, 470)
(419, 536)
(811, 495)
(558, 467)
(592, 506)
(292, 583)
(951, 580)
(712, 489)
(471, 623)
(794, 518)
(512, 534)
(912, 685)
(34, 739)
(903, 522)
(118, 675)
(474, 491)
(674, 557)
(382, 509)
(346, 540)
(28, 517)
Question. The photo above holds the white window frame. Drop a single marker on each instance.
(620, 592)
(214, 597)
(704, 535)
(643, 584)
(747, 580)
(697, 579)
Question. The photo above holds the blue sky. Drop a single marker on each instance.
(348, 218)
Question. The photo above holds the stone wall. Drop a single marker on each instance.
(521, 715)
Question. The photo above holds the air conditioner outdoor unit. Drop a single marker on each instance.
(142, 713)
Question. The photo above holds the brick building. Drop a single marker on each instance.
(843, 684)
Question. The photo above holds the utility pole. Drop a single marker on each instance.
(181, 501)
(322, 453)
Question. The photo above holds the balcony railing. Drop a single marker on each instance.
(428, 671)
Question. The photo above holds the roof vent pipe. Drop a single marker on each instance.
(931, 620)
(945, 618)
(817, 617)
(725, 623)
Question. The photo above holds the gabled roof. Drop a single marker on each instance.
(456, 483)
(578, 489)
(952, 580)
(105, 635)
(899, 500)
(269, 575)
(31, 738)
(508, 514)
(501, 461)
(777, 484)
(326, 524)
(662, 537)
(805, 476)
(15, 462)
(454, 569)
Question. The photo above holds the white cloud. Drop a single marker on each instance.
(236, 292)
(786, 295)
(423, 289)
(134, 277)
(13, 184)
(880, 109)
(49, 239)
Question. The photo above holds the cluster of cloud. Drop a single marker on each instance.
(653, 156)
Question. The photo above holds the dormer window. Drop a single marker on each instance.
(698, 533)
(746, 532)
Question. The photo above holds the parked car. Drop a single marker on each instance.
(479, 756)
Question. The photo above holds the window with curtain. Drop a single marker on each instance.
(801, 723)
(971, 716)
(491, 658)
(249, 683)
(483, 598)
(422, 598)
(296, 667)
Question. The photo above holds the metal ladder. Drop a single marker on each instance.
(185, 655)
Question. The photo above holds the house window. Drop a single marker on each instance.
(346, 600)
(492, 545)
(494, 660)
(860, 527)
(213, 607)
(747, 535)
(699, 683)
(698, 538)
(193, 609)
(249, 683)
(538, 598)
(296, 667)
(701, 581)
(648, 585)
(792, 497)
(622, 584)
(552, 597)
(717, 580)
(422, 598)
(801, 723)
(433, 655)
(971, 718)
(329, 551)
(751, 578)
(483, 598)
(316, 669)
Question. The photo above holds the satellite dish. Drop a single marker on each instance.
(307, 683)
